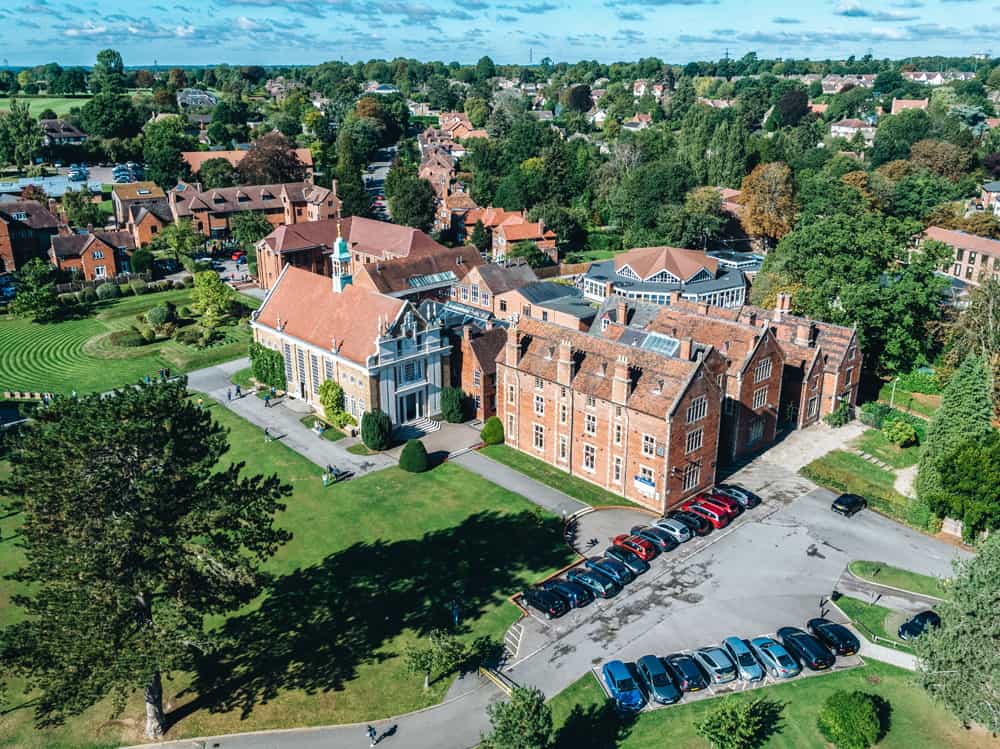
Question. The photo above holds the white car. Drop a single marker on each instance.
(675, 528)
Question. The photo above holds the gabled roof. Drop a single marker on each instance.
(378, 239)
(304, 305)
(499, 278)
(734, 340)
(898, 105)
(646, 262)
(486, 346)
(517, 232)
(59, 128)
(35, 215)
(248, 197)
(74, 245)
(159, 210)
(410, 274)
(493, 217)
(966, 241)
(195, 159)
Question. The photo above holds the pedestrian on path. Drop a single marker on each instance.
(238, 393)
(372, 733)
(229, 395)
(166, 373)
(267, 400)
(267, 434)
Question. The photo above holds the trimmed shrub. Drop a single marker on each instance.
(89, 296)
(127, 338)
(342, 419)
(147, 333)
(452, 405)
(178, 284)
(138, 287)
(492, 431)
(188, 336)
(68, 299)
(850, 720)
(899, 432)
(376, 430)
(187, 281)
(159, 315)
(80, 297)
(840, 416)
(331, 397)
(413, 459)
(124, 289)
(108, 291)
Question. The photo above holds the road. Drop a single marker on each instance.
(374, 179)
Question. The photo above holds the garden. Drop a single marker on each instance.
(369, 577)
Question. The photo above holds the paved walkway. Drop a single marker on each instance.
(551, 499)
(282, 420)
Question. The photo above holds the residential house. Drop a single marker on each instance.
(26, 231)
(491, 219)
(195, 159)
(483, 286)
(458, 127)
(309, 245)
(380, 349)
(989, 197)
(848, 128)
(475, 359)
(380, 89)
(899, 105)
(508, 234)
(974, 257)
(59, 132)
(643, 425)
(418, 277)
(548, 301)
(654, 274)
(146, 221)
(210, 211)
(93, 255)
(638, 121)
(136, 194)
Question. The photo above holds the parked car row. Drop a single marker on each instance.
(129, 172)
(630, 553)
(78, 172)
(665, 680)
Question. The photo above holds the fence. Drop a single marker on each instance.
(563, 269)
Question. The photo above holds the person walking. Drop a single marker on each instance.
(238, 393)
(267, 400)
(201, 402)
(372, 734)
(229, 395)
(267, 434)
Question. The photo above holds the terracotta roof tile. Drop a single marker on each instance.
(396, 276)
(964, 240)
(648, 261)
(195, 159)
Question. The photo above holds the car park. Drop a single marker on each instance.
(747, 666)
(835, 636)
(612, 568)
(734, 507)
(715, 663)
(721, 505)
(675, 528)
(686, 673)
(848, 504)
(774, 658)
(595, 581)
(635, 564)
(698, 525)
(916, 625)
(656, 536)
(656, 681)
(546, 602)
(639, 546)
(805, 648)
(716, 518)
(745, 497)
(575, 595)
(622, 687)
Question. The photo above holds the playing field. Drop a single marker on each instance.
(58, 104)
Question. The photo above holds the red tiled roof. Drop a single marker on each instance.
(393, 276)
(526, 231)
(376, 238)
(195, 159)
(964, 240)
(898, 105)
(648, 261)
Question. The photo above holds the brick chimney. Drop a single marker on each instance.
(466, 333)
(513, 346)
(805, 333)
(752, 318)
(685, 350)
(620, 381)
(621, 311)
(564, 367)
(782, 305)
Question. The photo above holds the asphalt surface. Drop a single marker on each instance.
(374, 179)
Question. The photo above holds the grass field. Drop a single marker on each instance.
(330, 433)
(58, 104)
(874, 619)
(583, 721)
(76, 354)
(886, 574)
(554, 477)
(374, 564)
(874, 443)
(920, 404)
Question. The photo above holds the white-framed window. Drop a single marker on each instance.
(849, 376)
(328, 369)
(589, 457)
(604, 323)
(692, 476)
(563, 413)
(648, 444)
(763, 370)
(590, 424)
(538, 439)
(314, 370)
(539, 405)
(760, 397)
(361, 409)
(486, 299)
(287, 351)
(563, 448)
(618, 434)
(591, 401)
(695, 439)
(503, 305)
(465, 293)
(812, 406)
(698, 409)
(100, 271)
(475, 293)
(756, 429)
(539, 383)
(617, 478)
(646, 474)
(510, 393)
(476, 377)
(510, 425)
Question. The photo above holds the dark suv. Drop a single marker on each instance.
(549, 604)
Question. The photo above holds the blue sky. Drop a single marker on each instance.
(311, 31)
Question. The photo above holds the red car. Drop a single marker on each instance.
(731, 505)
(637, 545)
(238, 254)
(717, 518)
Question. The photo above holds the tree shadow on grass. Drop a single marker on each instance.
(884, 711)
(318, 624)
(594, 727)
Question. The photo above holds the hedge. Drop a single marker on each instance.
(267, 366)
(492, 431)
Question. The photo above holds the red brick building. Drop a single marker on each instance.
(26, 231)
(482, 286)
(418, 277)
(93, 256)
(476, 360)
(638, 423)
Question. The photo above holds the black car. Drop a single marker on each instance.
(835, 636)
(612, 568)
(848, 504)
(596, 582)
(636, 566)
(698, 525)
(576, 595)
(656, 536)
(805, 648)
(548, 603)
(687, 675)
(912, 628)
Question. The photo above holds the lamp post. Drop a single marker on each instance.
(892, 397)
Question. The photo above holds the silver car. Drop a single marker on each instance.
(675, 528)
(739, 653)
(716, 664)
(775, 659)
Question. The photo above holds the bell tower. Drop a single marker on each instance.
(341, 263)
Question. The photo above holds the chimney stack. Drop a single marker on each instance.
(783, 303)
(513, 344)
(685, 350)
(620, 382)
(466, 332)
(564, 367)
(621, 311)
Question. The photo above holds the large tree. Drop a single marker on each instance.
(970, 485)
(977, 331)
(36, 291)
(413, 203)
(162, 143)
(181, 240)
(768, 198)
(522, 722)
(20, 135)
(80, 208)
(249, 227)
(131, 539)
(108, 74)
(959, 661)
(218, 172)
(271, 160)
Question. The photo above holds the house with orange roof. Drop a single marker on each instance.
(378, 348)
(901, 105)
(508, 234)
(195, 159)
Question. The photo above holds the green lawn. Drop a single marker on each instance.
(584, 722)
(921, 404)
(243, 378)
(76, 354)
(373, 566)
(592, 494)
(874, 443)
(58, 104)
(874, 620)
(330, 433)
(358, 448)
(886, 574)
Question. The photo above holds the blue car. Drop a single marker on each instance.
(624, 691)
(576, 595)
(612, 568)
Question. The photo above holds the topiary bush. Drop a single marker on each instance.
(492, 431)
(899, 432)
(453, 405)
(127, 338)
(68, 299)
(188, 336)
(413, 459)
(89, 296)
(850, 720)
(80, 297)
(178, 284)
(159, 315)
(108, 291)
(376, 430)
(138, 287)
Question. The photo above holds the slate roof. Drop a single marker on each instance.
(487, 345)
(409, 274)
(36, 215)
(74, 245)
(188, 199)
(499, 278)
